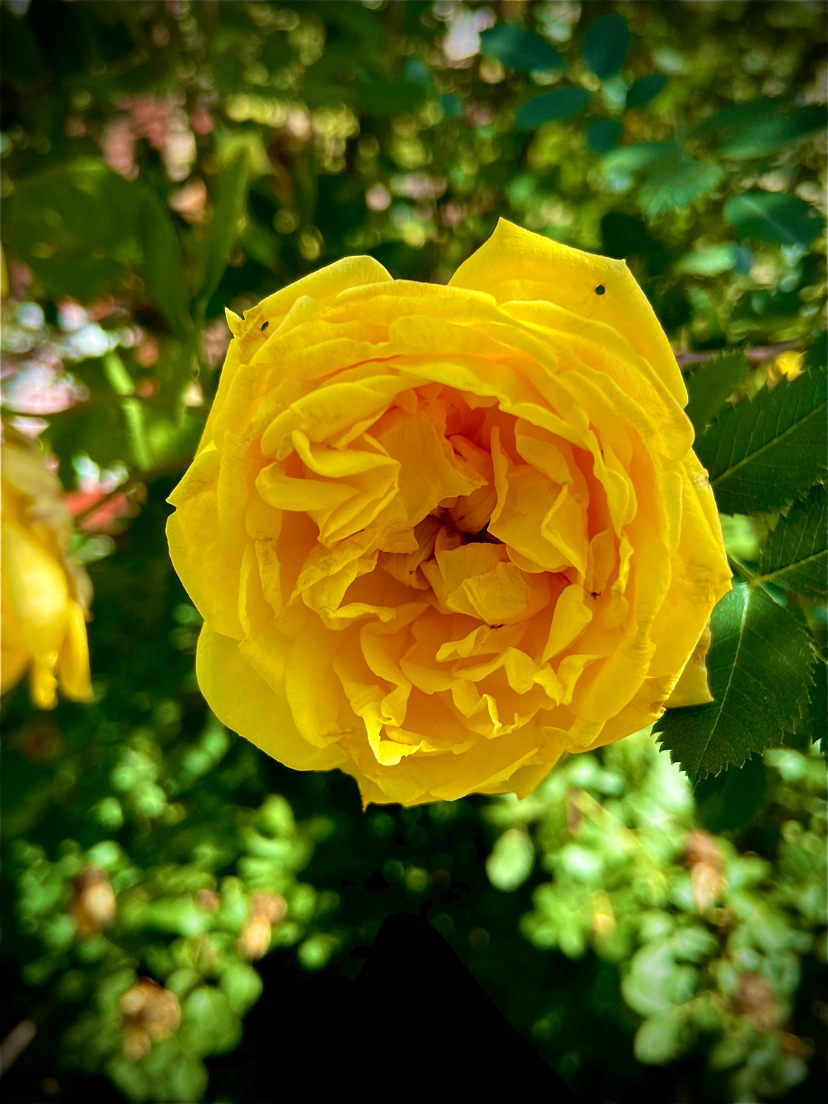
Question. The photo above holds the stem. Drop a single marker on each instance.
(755, 356)
(745, 572)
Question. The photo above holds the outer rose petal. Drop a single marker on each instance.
(515, 264)
(243, 701)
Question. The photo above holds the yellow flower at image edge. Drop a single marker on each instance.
(440, 535)
(44, 595)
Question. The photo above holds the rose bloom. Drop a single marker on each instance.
(44, 596)
(440, 535)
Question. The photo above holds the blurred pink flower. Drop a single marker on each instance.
(161, 122)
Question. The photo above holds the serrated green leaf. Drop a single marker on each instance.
(767, 135)
(224, 227)
(742, 114)
(817, 714)
(762, 453)
(772, 217)
(795, 555)
(557, 104)
(519, 48)
(676, 182)
(605, 45)
(645, 89)
(710, 386)
(759, 670)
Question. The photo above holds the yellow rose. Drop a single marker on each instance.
(440, 535)
(44, 595)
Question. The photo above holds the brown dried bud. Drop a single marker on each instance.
(756, 999)
(136, 1043)
(705, 861)
(93, 905)
(271, 906)
(151, 1014)
(209, 900)
(254, 941)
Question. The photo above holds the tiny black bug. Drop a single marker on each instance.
(600, 289)
(265, 325)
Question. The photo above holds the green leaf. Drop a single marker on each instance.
(713, 261)
(731, 800)
(522, 50)
(738, 115)
(759, 671)
(795, 555)
(767, 135)
(655, 982)
(772, 217)
(386, 98)
(762, 453)
(603, 135)
(631, 159)
(121, 382)
(557, 104)
(511, 860)
(224, 227)
(817, 714)
(163, 264)
(74, 226)
(677, 181)
(645, 89)
(605, 45)
(710, 387)
(663, 1038)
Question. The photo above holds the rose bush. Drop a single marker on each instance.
(45, 597)
(440, 535)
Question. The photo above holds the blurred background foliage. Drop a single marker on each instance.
(177, 907)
